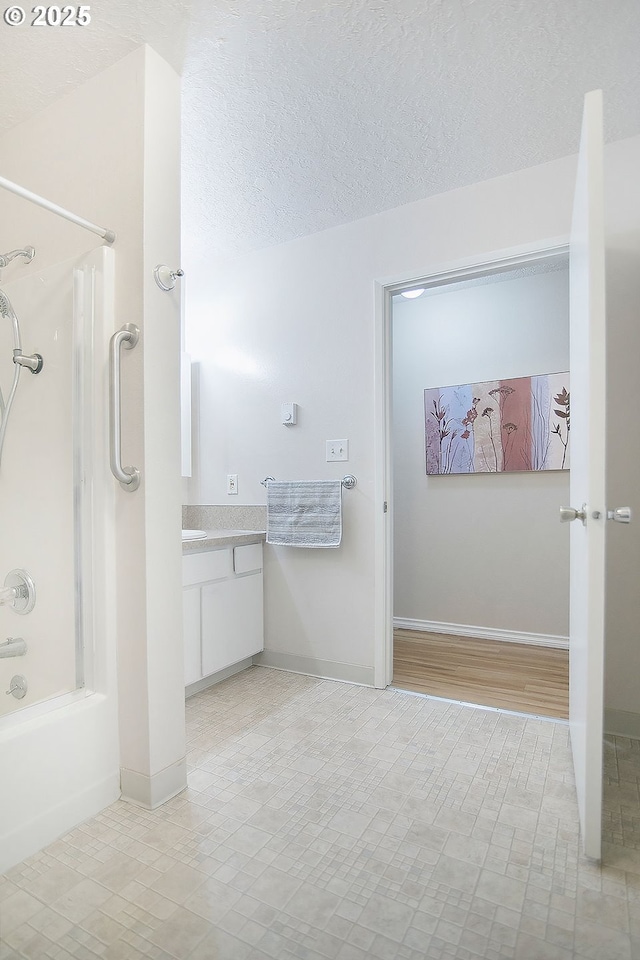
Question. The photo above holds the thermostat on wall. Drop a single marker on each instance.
(289, 413)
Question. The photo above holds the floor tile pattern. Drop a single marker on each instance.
(326, 821)
(621, 813)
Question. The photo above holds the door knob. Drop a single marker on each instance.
(570, 513)
(620, 514)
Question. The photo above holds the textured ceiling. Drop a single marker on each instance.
(302, 114)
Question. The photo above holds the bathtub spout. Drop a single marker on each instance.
(13, 647)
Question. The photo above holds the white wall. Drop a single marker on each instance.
(296, 322)
(484, 550)
(110, 151)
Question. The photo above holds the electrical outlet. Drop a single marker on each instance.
(232, 484)
(337, 450)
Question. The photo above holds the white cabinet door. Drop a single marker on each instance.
(191, 632)
(231, 622)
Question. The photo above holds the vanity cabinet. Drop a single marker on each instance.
(222, 608)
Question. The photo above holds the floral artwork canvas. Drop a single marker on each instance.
(498, 426)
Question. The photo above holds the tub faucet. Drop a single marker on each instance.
(9, 595)
(13, 647)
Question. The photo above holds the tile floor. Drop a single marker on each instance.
(325, 820)
(621, 807)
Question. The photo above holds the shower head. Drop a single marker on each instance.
(7, 311)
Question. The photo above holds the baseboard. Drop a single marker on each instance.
(482, 633)
(622, 723)
(323, 669)
(214, 678)
(151, 792)
(43, 830)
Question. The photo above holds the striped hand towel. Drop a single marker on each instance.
(304, 513)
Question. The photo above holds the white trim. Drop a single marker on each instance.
(494, 262)
(482, 633)
(383, 289)
(199, 685)
(383, 538)
(151, 792)
(622, 723)
(310, 667)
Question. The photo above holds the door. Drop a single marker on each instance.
(587, 483)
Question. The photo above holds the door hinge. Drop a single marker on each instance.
(384, 507)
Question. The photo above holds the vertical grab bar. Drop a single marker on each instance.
(127, 337)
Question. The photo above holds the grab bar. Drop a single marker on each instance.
(127, 337)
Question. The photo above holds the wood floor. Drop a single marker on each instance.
(515, 676)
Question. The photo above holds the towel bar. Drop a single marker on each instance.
(348, 482)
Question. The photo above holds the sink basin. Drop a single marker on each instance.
(194, 534)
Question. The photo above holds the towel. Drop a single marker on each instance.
(304, 513)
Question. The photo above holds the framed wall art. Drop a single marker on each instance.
(498, 426)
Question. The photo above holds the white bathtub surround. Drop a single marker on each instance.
(335, 821)
(59, 745)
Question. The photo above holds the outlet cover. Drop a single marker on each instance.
(337, 450)
(232, 484)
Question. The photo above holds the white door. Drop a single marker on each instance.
(587, 483)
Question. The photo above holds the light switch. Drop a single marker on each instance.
(337, 450)
(289, 412)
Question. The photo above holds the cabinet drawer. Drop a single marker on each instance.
(202, 567)
(247, 558)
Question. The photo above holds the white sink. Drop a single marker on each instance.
(194, 534)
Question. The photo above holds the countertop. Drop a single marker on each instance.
(223, 538)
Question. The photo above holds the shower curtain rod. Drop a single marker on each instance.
(107, 235)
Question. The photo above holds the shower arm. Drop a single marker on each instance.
(28, 253)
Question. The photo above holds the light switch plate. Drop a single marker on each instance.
(337, 450)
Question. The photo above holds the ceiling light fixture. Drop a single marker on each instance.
(412, 294)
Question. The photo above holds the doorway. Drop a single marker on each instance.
(479, 596)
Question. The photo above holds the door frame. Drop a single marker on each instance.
(433, 276)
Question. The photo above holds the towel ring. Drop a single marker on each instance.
(348, 482)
